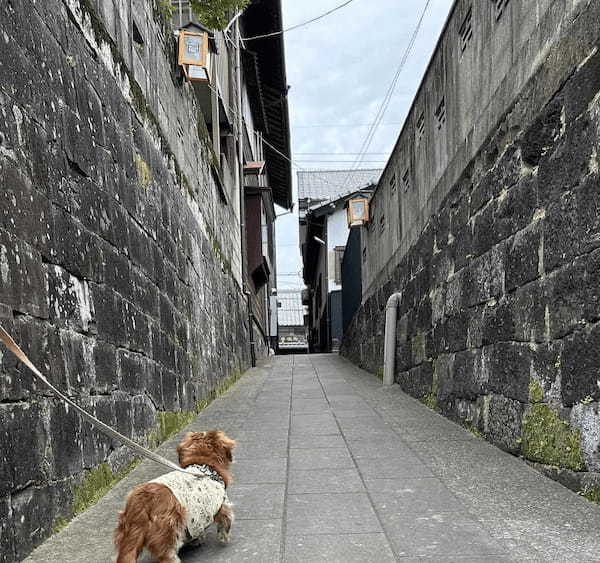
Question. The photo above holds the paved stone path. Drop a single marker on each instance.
(331, 466)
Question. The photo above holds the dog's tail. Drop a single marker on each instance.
(152, 518)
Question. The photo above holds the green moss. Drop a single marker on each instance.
(169, 423)
(430, 400)
(96, 484)
(549, 439)
(59, 524)
(379, 374)
(536, 392)
(473, 429)
(592, 494)
(143, 171)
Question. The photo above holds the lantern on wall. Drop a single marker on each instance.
(195, 53)
(358, 212)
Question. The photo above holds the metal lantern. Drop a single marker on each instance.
(358, 212)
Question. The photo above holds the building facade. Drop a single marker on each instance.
(323, 196)
(292, 337)
(130, 270)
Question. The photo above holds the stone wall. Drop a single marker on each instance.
(118, 249)
(499, 318)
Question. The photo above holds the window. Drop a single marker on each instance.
(371, 216)
(466, 30)
(338, 256)
(364, 255)
(440, 113)
(406, 180)
(500, 6)
(393, 183)
(381, 224)
(421, 126)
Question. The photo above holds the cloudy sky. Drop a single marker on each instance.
(339, 70)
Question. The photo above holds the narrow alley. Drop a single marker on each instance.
(332, 466)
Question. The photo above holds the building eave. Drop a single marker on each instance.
(266, 79)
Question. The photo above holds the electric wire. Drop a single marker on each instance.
(297, 26)
(388, 96)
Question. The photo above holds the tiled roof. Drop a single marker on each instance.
(319, 185)
(291, 311)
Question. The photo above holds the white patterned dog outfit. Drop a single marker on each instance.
(201, 497)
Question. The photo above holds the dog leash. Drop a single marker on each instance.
(149, 454)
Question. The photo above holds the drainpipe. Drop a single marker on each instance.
(389, 350)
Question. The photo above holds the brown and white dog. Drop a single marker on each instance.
(175, 509)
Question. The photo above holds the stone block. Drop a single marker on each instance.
(541, 134)
(418, 381)
(132, 370)
(7, 540)
(579, 366)
(528, 312)
(523, 256)
(504, 420)
(22, 453)
(509, 366)
(110, 320)
(469, 375)
(564, 167)
(70, 302)
(485, 277)
(23, 283)
(565, 294)
(581, 88)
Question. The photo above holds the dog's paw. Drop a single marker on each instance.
(224, 536)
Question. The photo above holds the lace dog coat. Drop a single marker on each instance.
(201, 497)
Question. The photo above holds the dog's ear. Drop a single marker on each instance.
(226, 443)
(185, 442)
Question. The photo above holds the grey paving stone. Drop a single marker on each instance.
(460, 559)
(378, 448)
(354, 548)
(257, 502)
(346, 513)
(312, 441)
(315, 428)
(441, 534)
(393, 468)
(419, 430)
(251, 541)
(325, 481)
(253, 449)
(260, 471)
(253, 434)
(412, 496)
(310, 406)
(321, 458)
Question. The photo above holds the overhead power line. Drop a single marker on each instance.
(388, 96)
(275, 33)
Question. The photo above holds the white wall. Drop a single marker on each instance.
(337, 235)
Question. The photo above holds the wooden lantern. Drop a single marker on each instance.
(358, 212)
(194, 55)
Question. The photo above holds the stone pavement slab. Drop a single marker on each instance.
(331, 466)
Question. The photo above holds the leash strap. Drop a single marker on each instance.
(14, 348)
